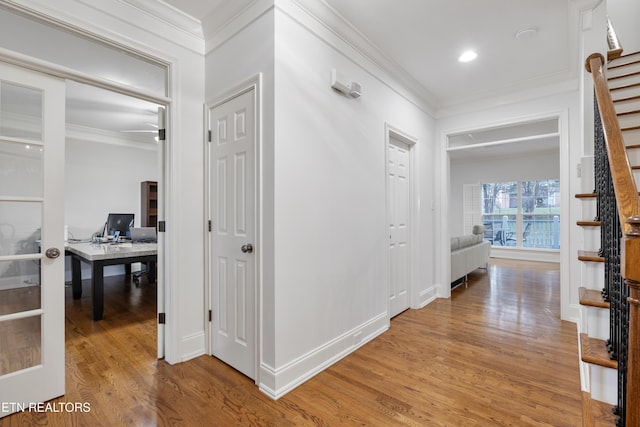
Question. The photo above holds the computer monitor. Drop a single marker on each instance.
(120, 222)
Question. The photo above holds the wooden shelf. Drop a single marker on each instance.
(590, 256)
(586, 196)
(592, 298)
(149, 203)
(588, 223)
(594, 351)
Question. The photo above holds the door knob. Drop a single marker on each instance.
(247, 249)
(52, 253)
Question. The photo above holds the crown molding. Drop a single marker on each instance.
(336, 29)
(112, 20)
(86, 134)
(169, 15)
(509, 97)
(231, 18)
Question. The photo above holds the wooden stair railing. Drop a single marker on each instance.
(627, 206)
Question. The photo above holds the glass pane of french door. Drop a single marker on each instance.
(31, 219)
(21, 193)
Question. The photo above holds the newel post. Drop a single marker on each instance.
(630, 270)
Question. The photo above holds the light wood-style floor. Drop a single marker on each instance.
(495, 354)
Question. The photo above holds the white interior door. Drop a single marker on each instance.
(232, 211)
(32, 136)
(398, 208)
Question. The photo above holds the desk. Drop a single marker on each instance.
(98, 255)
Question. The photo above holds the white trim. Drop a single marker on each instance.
(252, 84)
(525, 254)
(235, 24)
(565, 219)
(504, 141)
(99, 136)
(192, 346)
(275, 383)
(179, 30)
(45, 67)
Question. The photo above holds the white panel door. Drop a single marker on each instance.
(32, 136)
(398, 204)
(232, 210)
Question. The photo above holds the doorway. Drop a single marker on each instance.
(112, 153)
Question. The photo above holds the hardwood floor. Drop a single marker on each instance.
(495, 354)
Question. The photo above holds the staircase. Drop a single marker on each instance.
(610, 306)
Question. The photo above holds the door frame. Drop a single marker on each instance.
(168, 347)
(253, 83)
(391, 131)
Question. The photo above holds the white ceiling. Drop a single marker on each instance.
(425, 38)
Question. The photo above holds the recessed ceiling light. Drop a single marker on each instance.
(468, 56)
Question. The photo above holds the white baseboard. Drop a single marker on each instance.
(427, 296)
(275, 383)
(192, 346)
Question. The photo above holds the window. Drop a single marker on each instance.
(522, 214)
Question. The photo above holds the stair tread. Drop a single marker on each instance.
(591, 256)
(596, 413)
(586, 195)
(594, 351)
(592, 298)
(588, 223)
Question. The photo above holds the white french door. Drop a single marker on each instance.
(233, 232)
(398, 215)
(32, 134)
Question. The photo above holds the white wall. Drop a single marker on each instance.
(324, 242)
(330, 201)
(533, 166)
(102, 178)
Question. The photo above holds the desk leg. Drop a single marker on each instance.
(76, 277)
(151, 271)
(127, 269)
(97, 289)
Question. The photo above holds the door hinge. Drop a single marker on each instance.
(209, 136)
(210, 226)
(162, 226)
(210, 315)
(162, 134)
(161, 318)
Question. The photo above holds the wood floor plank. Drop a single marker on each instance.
(494, 354)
